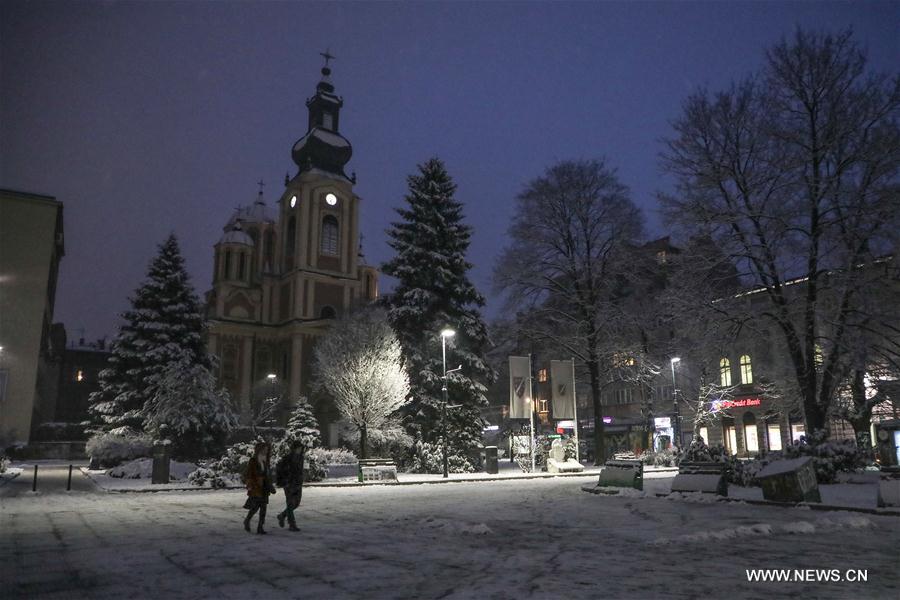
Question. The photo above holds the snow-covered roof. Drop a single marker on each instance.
(257, 212)
(236, 236)
(332, 139)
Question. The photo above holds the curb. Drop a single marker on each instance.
(884, 512)
(335, 484)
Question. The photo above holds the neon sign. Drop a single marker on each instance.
(718, 405)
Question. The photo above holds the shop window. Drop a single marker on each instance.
(746, 370)
(730, 439)
(774, 431)
(725, 372)
(329, 241)
(797, 430)
(751, 436)
(542, 375)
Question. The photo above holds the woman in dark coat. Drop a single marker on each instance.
(259, 486)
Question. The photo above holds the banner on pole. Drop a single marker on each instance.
(519, 387)
(562, 377)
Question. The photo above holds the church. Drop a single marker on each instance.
(282, 274)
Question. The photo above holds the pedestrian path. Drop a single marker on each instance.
(52, 478)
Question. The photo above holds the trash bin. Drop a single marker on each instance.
(490, 460)
(160, 463)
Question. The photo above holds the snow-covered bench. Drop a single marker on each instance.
(622, 473)
(377, 470)
(706, 477)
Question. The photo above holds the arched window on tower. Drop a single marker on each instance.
(227, 273)
(242, 265)
(329, 239)
(725, 372)
(746, 370)
(290, 242)
(216, 268)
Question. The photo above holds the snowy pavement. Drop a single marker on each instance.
(539, 538)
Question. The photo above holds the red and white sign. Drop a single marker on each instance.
(738, 403)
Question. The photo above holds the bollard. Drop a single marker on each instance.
(34, 482)
(69, 483)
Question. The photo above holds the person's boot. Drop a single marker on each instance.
(247, 524)
(260, 530)
(293, 528)
(280, 518)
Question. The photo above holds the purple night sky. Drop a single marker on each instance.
(145, 118)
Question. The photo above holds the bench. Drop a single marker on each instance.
(705, 477)
(377, 470)
(622, 473)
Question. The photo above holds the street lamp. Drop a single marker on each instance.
(676, 425)
(445, 333)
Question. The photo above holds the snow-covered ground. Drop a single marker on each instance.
(538, 538)
(9, 474)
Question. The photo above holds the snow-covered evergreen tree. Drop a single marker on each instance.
(433, 292)
(188, 409)
(302, 426)
(164, 324)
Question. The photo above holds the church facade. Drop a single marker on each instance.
(282, 274)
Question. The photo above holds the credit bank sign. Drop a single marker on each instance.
(737, 403)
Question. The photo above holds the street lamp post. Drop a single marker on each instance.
(676, 425)
(446, 333)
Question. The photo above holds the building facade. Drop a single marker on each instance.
(281, 274)
(31, 247)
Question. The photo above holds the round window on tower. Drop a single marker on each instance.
(331, 199)
(293, 201)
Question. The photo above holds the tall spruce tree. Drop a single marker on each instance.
(433, 292)
(164, 325)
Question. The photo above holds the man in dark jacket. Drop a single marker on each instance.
(289, 475)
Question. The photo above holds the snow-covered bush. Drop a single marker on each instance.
(387, 441)
(661, 458)
(142, 468)
(571, 448)
(4, 463)
(112, 449)
(314, 468)
(302, 427)
(334, 456)
(225, 471)
(60, 432)
(429, 458)
(831, 457)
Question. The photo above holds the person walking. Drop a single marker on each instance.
(289, 476)
(259, 486)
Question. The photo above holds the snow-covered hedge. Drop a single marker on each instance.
(429, 458)
(333, 456)
(112, 449)
(142, 468)
(831, 457)
(227, 470)
(661, 458)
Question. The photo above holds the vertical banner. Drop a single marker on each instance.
(519, 387)
(562, 378)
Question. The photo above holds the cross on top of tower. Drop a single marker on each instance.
(328, 57)
(261, 185)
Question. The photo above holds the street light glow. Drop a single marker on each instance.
(675, 359)
(272, 376)
(447, 333)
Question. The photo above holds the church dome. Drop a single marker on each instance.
(322, 149)
(257, 212)
(236, 236)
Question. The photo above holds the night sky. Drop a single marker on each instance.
(146, 118)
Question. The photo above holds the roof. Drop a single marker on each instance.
(257, 212)
(236, 236)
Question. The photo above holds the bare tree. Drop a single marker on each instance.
(793, 172)
(562, 265)
(359, 363)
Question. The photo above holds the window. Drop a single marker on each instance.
(661, 257)
(622, 396)
(820, 356)
(542, 375)
(268, 252)
(730, 439)
(329, 242)
(79, 375)
(725, 372)
(751, 437)
(290, 239)
(229, 362)
(746, 370)
(544, 408)
(774, 431)
(622, 359)
(327, 120)
(227, 274)
(327, 312)
(242, 265)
